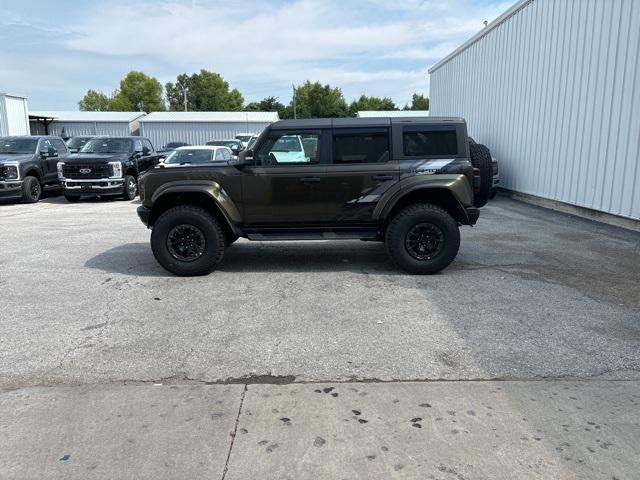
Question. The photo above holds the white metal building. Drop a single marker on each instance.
(197, 128)
(392, 113)
(553, 88)
(14, 119)
(69, 124)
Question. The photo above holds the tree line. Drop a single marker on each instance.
(208, 91)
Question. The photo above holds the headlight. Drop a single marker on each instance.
(10, 172)
(60, 173)
(116, 168)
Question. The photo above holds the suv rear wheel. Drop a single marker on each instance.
(187, 241)
(422, 239)
(31, 190)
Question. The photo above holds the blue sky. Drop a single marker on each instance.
(53, 51)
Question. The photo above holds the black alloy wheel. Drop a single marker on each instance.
(186, 243)
(424, 241)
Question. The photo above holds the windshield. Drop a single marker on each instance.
(223, 143)
(108, 145)
(171, 145)
(77, 142)
(190, 156)
(18, 145)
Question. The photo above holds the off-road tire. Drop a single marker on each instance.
(481, 159)
(202, 220)
(31, 190)
(72, 198)
(413, 216)
(128, 193)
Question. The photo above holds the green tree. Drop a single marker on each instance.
(206, 91)
(371, 103)
(138, 92)
(418, 102)
(269, 104)
(314, 100)
(94, 101)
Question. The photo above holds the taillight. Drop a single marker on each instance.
(476, 180)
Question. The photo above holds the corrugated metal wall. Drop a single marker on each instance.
(554, 91)
(195, 133)
(14, 118)
(71, 129)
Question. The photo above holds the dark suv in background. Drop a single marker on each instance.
(28, 166)
(107, 166)
(408, 182)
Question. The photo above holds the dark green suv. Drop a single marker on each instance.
(408, 182)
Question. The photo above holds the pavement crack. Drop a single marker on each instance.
(234, 433)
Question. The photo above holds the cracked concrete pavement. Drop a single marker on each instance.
(90, 323)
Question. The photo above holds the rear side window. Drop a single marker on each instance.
(425, 142)
(361, 146)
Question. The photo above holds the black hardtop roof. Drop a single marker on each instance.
(360, 122)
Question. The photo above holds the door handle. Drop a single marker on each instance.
(383, 178)
(310, 179)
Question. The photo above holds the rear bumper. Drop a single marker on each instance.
(144, 213)
(11, 188)
(473, 214)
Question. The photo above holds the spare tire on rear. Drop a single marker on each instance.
(481, 159)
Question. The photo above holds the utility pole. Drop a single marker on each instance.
(184, 91)
(295, 115)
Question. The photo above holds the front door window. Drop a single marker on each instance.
(289, 149)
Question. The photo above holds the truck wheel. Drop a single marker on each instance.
(72, 198)
(187, 241)
(130, 187)
(481, 159)
(31, 190)
(422, 239)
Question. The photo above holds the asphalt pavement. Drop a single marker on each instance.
(535, 298)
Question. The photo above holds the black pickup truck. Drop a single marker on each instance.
(107, 166)
(28, 165)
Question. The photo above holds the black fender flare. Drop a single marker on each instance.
(212, 190)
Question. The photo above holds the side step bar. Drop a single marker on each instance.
(368, 234)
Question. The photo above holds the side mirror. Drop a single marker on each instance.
(235, 150)
(52, 152)
(245, 157)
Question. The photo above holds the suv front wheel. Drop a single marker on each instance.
(187, 241)
(422, 239)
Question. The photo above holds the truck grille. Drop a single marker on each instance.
(95, 170)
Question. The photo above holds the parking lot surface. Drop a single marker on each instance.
(532, 294)
(318, 359)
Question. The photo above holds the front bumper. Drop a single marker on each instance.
(144, 213)
(11, 188)
(103, 186)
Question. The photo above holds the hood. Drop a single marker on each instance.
(96, 157)
(15, 158)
